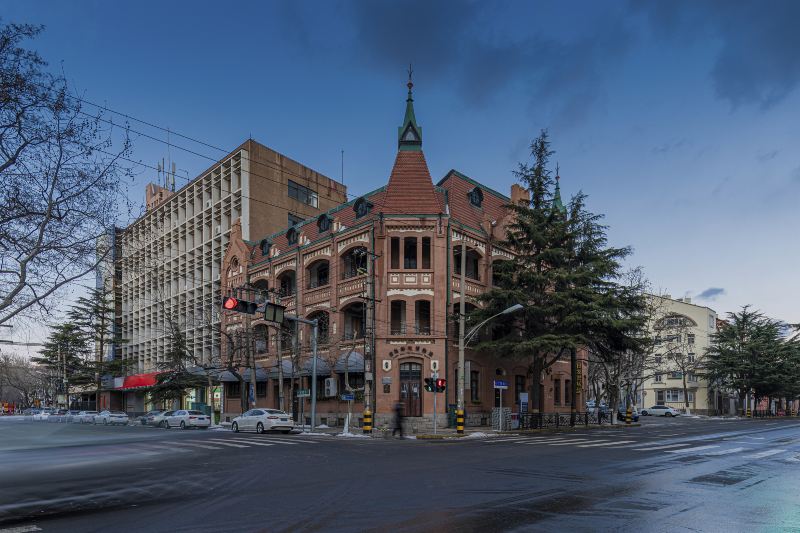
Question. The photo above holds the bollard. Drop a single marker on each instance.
(628, 415)
(460, 421)
(749, 413)
(367, 421)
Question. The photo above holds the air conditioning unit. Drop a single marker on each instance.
(208, 203)
(216, 278)
(217, 230)
(330, 387)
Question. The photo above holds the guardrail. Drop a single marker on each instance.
(555, 420)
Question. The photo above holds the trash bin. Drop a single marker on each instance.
(514, 420)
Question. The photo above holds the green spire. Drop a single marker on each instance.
(557, 203)
(409, 135)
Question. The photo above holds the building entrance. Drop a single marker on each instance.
(411, 388)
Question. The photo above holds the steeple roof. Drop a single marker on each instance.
(557, 203)
(410, 188)
(409, 135)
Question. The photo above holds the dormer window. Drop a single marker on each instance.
(265, 246)
(291, 236)
(475, 197)
(362, 207)
(324, 223)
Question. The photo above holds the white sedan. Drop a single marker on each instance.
(111, 417)
(186, 419)
(261, 420)
(84, 417)
(660, 410)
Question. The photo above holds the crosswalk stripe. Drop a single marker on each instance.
(515, 439)
(197, 445)
(766, 453)
(567, 443)
(254, 442)
(279, 441)
(226, 443)
(546, 441)
(644, 447)
(611, 443)
(695, 449)
(726, 452)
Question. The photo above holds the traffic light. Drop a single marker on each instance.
(229, 303)
(430, 385)
(274, 312)
(441, 385)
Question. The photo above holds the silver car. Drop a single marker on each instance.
(111, 417)
(660, 410)
(160, 420)
(184, 419)
(84, 417)
(261, 420)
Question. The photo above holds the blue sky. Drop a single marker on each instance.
(679, 119)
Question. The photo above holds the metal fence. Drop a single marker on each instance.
(555, 420)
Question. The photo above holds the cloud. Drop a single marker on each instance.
(763, 157)
(669, 147)
(711, 293)
(756, 60)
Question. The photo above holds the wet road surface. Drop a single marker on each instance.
(667, 475)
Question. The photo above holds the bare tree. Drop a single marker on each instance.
(674, 352)
(23, 381)
(59, 180)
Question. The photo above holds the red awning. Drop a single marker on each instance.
(138, 381)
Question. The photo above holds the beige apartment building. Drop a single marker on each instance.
(171, 257)
(682, 332)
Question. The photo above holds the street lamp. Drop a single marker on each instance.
(465, 338)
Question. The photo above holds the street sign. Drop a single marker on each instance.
(348, 397)
(303, 393)
(500, 384)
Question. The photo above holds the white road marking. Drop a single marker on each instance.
(513, 439)
(253, 442)
(609, 443)
(766, 453)
(696, 449)
(567, 443)
(197, 445)
(726, 452)
(645, 447)
(20, 529)
(226, 443)
(547, 441)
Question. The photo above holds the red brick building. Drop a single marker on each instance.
(398, 249)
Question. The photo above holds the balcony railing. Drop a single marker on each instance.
(313, 284)
(350, 335)
(422, 329)
(398, 330)
(348, 273)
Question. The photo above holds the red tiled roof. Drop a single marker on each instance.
(492, 207)
(410, 188)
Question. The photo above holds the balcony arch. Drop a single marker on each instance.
(354, 262)
(472, 264)
(287, 283)
(323, 326)
(353, 321)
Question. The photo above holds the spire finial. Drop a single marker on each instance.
(409, 135)
(558, 177)
(410, 83)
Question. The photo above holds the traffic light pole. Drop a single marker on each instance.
(434, 411)
(315, 325)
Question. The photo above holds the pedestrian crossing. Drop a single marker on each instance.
(676, 449)
(218, 444)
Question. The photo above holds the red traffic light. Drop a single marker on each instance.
(230, 303)
(441, 384)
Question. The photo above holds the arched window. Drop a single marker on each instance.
(473, 263)
(354, 262)
(265, 246)
(323, 326)
(291, 236)
(475, 197)
(323, 223)
(261, 287)
(287, 282)
(260, 335)
(318, 274)
(362, 207)
(354, 321)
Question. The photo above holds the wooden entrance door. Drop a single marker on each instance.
(411, 388)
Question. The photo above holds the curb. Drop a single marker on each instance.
(620, 427)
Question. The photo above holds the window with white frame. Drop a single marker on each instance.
(674, 395)
(691, 377)
(690, 338)
(658, 378)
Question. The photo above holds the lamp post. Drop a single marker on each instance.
(464, 340)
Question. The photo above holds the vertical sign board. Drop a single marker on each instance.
(523, 402)
(501, 386)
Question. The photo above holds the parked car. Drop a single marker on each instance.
(84, 417)
(147, 418)
(185, 419)
(160, 420)
(660, 410)
(43, 415)
(111, 417)
(261, 420)
(622, 412)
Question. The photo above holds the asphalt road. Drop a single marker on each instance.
(667, 475)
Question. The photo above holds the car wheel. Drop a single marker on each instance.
(285, 431)
(183, 424)
(259, 428)
(165, 424)
(644, 413)
(105, 421)
(235, 427)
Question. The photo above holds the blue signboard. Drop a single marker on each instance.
(349, 397)
(500, 384)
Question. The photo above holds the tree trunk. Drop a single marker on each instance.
(686, 395)
(536, 399)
